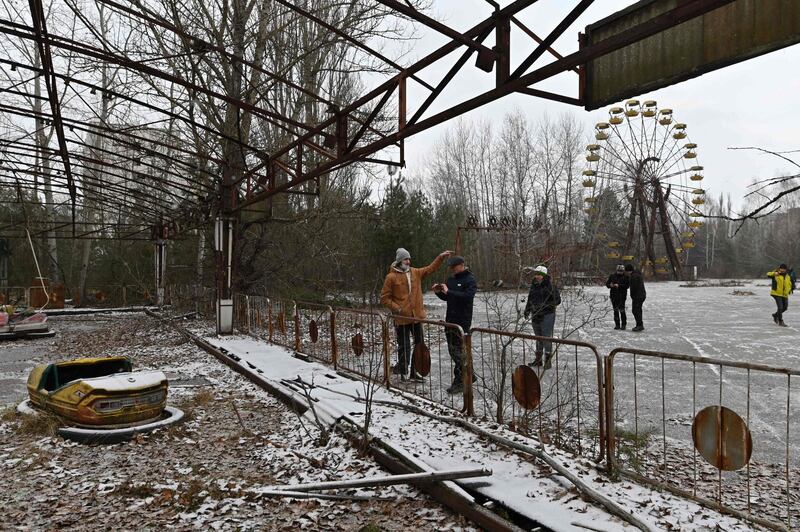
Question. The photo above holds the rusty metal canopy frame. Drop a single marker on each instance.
(146, 184)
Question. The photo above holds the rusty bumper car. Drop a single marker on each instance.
(99, 397)
(15, 325)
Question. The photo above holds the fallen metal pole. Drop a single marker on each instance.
(304, 495)
(412, 478)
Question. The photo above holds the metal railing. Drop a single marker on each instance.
(701, 428)
(315, 325)
(361, 343)
(634, 409)
(561, 400)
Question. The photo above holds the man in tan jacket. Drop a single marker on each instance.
(402, 295)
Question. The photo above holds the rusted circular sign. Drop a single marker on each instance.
(313, 331)
(526, 387)
(721, 436)
(357, 343)
(422, 359)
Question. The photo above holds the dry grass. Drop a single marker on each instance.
(41, 424)
(8, 414)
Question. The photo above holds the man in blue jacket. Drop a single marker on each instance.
(459, 293)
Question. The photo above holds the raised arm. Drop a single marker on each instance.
(433, 266)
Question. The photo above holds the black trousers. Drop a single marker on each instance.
(620, 318)
(783, 304)
(404, 352)
(637, 311)
(455, 347)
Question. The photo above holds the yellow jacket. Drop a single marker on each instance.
(402, 291)
(781, 284)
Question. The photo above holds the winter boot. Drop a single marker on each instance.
(536, 361)
(638, 328)
(548, 361)
(775, 317)
(456, 388)
(782, 324)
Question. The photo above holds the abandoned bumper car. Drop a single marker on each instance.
(100, 398)
(15, 325)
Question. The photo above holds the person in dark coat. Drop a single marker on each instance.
(543, 298)
(459, 292)
(618, 292)
(638, 294)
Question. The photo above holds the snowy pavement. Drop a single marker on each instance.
(519, 482)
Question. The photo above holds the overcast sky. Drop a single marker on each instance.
(754, 103)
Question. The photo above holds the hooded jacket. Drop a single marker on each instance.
(461, 289)
(636, 284)
(782, 284)
(402, 291)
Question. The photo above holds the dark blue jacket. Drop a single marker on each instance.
(543, 298)
(461, 289)
(636, 284)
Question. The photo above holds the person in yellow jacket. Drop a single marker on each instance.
(402, 295)
(782, 286)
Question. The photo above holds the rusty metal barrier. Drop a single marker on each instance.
(430, 358)
(716, 431)
(283, 322)
(316, 330)
(561, 401)
(361, 343)
(241, 313)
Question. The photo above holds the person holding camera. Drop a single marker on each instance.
(459, 292)
(617, 284)
(782, 286)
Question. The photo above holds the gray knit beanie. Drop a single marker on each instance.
(401, 255)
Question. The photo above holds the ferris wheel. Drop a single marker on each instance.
(643, 188)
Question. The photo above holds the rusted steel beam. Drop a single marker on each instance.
(448, 77)
(40, 29)
(375, 110)
(678, 15)
(539, 40)
(551, 96)
(355, 42)
(445, 30)
(551, 37)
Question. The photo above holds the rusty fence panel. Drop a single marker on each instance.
(258, 323)
(721, 432)
(431, 360)
(241, 313)
(361, 343)
(561, 402)
(315, 324)
(282, 323)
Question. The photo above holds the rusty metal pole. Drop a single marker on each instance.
(608, 362)
(334, 346)
(296, 327)
(387, 376)
(159, 263)
(469, 393)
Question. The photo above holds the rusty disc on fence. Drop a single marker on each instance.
(526, 387)
(357, 343)
(721, 436)
(313, 331)
(422, 359)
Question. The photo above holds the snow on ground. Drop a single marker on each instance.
(520, 483)
(203, 474)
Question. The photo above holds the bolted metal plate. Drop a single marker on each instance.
(357, 343)
(526, 387)
(721, 436)
(422, 359)
(313, 331)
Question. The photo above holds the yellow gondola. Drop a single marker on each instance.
(690, 155)
(600, 131)
(695, 224)
(612, 255)
(687, 234)
(590, 210)
(661, 271)
(602, 236)
(592, 147)
(688, 245)
(592, 157)
(698, 201)
(590, 199)
(698, 191)
(649, 108)
(613, 244)
(627, 257)
(696, 177)
(601, 135)
(589, 172)
(666, 117)
(632, 108)
(696, 214)
(662, 260)
(588, 183)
